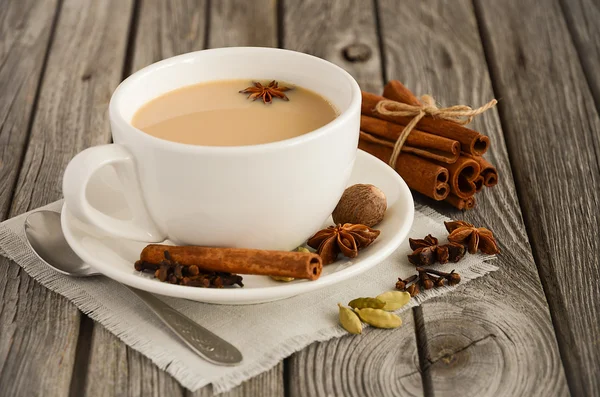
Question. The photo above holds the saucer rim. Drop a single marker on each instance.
(258, 294)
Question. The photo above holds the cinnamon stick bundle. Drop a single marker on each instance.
(463, 174)
(418, 142)
(239, 260)
(429, 158)
(421, 175)
(459, 203)
(471, 141)
(488, 171)
(479, 183)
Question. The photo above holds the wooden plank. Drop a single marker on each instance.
(552, 130)
(117, 370)
(582, 19)
(493, 336)
(84, 67)
(166, 29)
(243, 23)
(25, 29)
(343, 32)
(375, 363)
(379, 362)
(269, 383)
(38, 336)
(25, 32)
(39, 329)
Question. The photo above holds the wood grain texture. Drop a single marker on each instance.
(38, 336)
(25, 28)
(552, 130)
(493, 336)
(166, 29)
(376, 363)
(379, 362)
(40, 328)
(84, 67)
(269, 383)
(243, 23)
(582, 19)
(343, 32)
(117, 370)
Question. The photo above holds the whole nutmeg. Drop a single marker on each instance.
(361, 204)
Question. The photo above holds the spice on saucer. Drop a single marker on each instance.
(304, 265)
(361, 204)
(347, 239)
(171, 271)
(288, 279)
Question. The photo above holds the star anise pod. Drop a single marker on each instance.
(257, 90)
(427, 251)
(476, 238)
(347, 239)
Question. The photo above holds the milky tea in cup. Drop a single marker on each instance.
(216, 113)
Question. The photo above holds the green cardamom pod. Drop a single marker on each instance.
(394, 300)
(302, 249)
(282, 278)
(362, 303)
(379, 318)
(349, 320)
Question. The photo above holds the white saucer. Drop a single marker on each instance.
(114, 257)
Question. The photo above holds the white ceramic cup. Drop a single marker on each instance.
(268, 196)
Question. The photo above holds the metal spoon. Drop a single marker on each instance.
(46, 239)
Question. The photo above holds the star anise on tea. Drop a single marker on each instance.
(273, 89)
(427, 251)
(347, 238)
(475, 238)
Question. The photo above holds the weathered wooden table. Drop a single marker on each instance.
(532, 328)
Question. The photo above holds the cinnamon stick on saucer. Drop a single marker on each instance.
(302, 265)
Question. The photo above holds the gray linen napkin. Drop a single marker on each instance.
(285, 326)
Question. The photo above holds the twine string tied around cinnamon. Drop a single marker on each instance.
(461, 114)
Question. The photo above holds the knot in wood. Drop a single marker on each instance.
(357, 52)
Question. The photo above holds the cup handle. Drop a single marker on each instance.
(77, 176)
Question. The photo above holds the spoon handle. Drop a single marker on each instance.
(199, 339)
